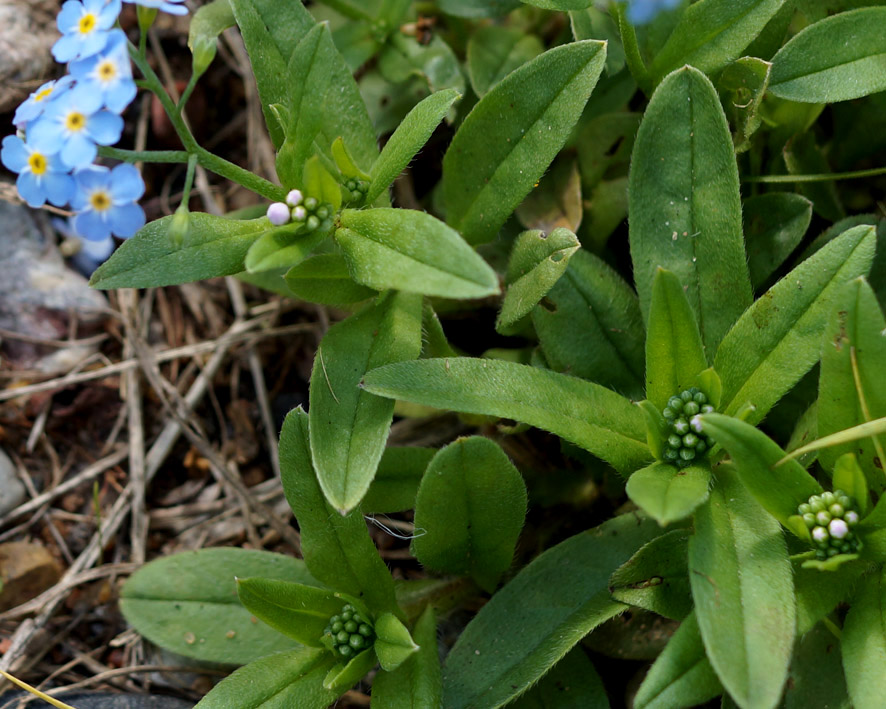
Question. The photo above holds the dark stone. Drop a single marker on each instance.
(108, 700)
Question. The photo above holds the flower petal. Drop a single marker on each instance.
(127, 184)
(90, 225)
(126, 219)
(105, 128)
(14, 154)
(31, 189)
(78, 151)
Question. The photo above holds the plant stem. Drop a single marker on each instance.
(632, 49)
(159, 156)
(206, 159)
(827, 177)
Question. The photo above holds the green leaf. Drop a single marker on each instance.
(209, 22)
(682, 675)
(416, 684)
(816, 675)
(337, 549)
(667, 493)
(412, 251)
(215, 246)
(319, 183)
(849, 478)
(477, 8)
(349, 426)
(656, 577)
(433, 61)
(187, 603)
(779, 489)
(802, 156)
(410, 137)
(556, 202)
(281, 248)
(537, 262)
(743, 591)
(819, 593)
(325, 279)
(396, 481)
(271, 30)
(470, 508)
(774, 226)
(743, 85)
(393, 643)
(853, 355)
(572, 683)
(674, 352)
(778, 338)
(589, 325)
(287, 679)
(507, 142)
(344, 161)
(495, 51)
(684, 204)
(342, 677)
(712, 33)
(837, 59)
(296, 610)
(586, 414)
(864, 643)
(536, 618)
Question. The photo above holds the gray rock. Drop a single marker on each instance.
(39, 296)
(27, 32)
(12, 491)
(108, 700)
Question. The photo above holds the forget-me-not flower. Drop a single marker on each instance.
(642, 11)
(32, 108)
(73, 125)
(85, 28)
(106, 202)
(108, 74)
(41, 174)
(173, 7)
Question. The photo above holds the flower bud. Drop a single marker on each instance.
(278, 214)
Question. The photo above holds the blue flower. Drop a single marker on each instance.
(108, 74)
(33, 107)
(90, 254)
(84, 27)
(173, 7)
(73, 125)
(41, 175)
(641, 12)
(106, 202)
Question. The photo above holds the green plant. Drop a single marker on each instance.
(735, 321)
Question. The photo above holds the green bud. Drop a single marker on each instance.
(686, 396)
(836, 510)
(691, 408)
(356, 195)
(365, 630)
(345, 651)
(828, 498)
(180, 226)
(804, 509)
(701, 446)
(312, 223)
(311, 204)
(674, 441)
(357, 641)
(671, 454)
(690, 440)
(204, 50)
(669, 413)
(337, 627)
(700, 398)
(323, 212)
(823, 518)
(809, 520)
(675, 403)
(687, 454)
(681, 426)
(342, 636)
(351, 626)
(816, 504)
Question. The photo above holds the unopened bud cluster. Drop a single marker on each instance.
(357, 189)
(685, 440)
(831, 518)
(301, 210)
(351, 633)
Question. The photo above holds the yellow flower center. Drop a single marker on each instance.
(87, 23)
(107, 70)
(37, 163)
(40, 95)
(75, 121)
(100, 201)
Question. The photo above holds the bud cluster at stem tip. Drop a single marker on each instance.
(297, 208)
(830, 518)
(351, 633)
(685, 440)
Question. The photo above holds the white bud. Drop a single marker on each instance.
(851, 518)
(820, 534)
(838, 528)
(695, 423)
(278, 214)
(299, 213)
(294, 198)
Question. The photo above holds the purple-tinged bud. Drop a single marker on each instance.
(278, 214)
(294, 198)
